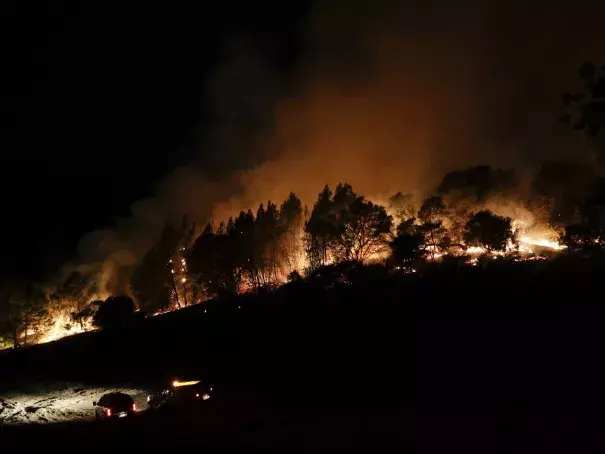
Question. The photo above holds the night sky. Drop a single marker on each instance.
(100, 101)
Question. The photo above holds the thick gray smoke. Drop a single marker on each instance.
(388, 96)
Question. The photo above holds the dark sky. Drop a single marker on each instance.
(99, 101)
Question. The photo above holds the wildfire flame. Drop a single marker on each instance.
(542, 242)
(62, 326)
(533, 237)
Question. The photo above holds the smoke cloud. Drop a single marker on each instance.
(387, 97)
(394, 97)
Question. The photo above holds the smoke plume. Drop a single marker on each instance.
(387, 96)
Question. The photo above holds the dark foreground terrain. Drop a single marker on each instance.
(497, 359)
(223, 426)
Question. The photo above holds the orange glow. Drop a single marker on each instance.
(63, 326)
(180, 384)
(60, 323)
(542, 242)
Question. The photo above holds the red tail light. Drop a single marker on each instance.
(210, 389)
(134, 407)
(197, 395)
(109, 412)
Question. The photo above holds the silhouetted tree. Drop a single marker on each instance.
(590, 105)
(212, 262)
(431, 215)
(320, 230)
(34, 312)
(593, 209)
(152, 281)
(345, 227)
(406, 247)
(579, 236)
(343, 198)
(243, 243)
(565, 185)
(290, 226)
(586, 111)
(9, 315)
(489, 230)
(266, 242)
(25, 313)
(408, 226)
(186, 290)
(589, 229)
(87, 313)
(221, 262)
(362, 228)
(114, 312)
(294, 276)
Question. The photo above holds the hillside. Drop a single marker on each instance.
(475, 329)
(499, 348)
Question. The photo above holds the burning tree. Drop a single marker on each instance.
(264, 270)
(185, 291)
(291, 224)
(249, 252)
(77, 290)
(157, 283)
(25, 314)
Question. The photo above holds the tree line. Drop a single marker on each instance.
(260, 250)
(257, 250)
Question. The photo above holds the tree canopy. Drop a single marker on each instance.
(489, 230)
(114, 312)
